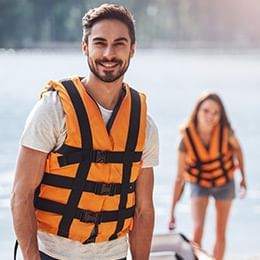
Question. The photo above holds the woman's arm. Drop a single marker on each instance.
(239, 156)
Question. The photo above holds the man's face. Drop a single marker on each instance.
(108, 50)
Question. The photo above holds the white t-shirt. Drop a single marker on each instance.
(45, 131)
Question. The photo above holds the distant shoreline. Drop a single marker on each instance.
(179, 45)
(61, 48)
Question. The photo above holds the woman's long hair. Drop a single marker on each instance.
(193, 118)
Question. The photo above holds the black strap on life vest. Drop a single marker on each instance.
(98, 157)
(75, 155)
(116, 108)
(131, 143)
(198, 160)
(194, 166)
(220, 148)
(212, 179)
(98, 188)
(208, 161)
(83, 168)
(86, 216)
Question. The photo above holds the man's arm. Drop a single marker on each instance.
(141, 235)
(29, 172)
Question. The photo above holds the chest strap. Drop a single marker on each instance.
(99, 157)
(99, 188)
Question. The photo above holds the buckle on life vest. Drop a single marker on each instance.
(101, 156)
(105, 189)
(90, 217)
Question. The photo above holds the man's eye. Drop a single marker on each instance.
(99, 43)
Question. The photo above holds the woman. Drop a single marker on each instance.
(207, 155)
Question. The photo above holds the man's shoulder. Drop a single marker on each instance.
(50, 98)
(51, 92)
(57, 84)
(151, 127)
(150, 121)
(50, 103)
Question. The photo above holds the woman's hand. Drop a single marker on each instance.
(243, 188)
(172, 222)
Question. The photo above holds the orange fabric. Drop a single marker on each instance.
(211, 173)
(99, 172)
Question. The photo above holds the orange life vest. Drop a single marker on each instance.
(208, 167)
(88, 189)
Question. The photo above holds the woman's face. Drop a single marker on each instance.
(208, 114)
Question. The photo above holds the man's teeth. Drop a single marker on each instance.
(109, 64)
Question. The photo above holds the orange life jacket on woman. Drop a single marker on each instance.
(208, 167)
(88, 189)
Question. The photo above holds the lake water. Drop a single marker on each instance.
(172, 81)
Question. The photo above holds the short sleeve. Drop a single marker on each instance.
(45, 125)
(151, 148)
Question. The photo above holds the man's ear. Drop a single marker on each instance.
(132, 51)
(84, 47)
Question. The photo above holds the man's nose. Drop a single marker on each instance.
(109, 52)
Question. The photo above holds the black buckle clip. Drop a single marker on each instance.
(105, 189)
(108, 189)
(101, 156)
(90, 217)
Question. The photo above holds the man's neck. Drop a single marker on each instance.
(105, 94)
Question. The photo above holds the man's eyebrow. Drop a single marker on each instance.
(121, 39)
(99, 39)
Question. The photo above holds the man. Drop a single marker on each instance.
(84, 176)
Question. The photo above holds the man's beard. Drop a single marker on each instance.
(109, 76)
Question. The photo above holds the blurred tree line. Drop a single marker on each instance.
(160, 23)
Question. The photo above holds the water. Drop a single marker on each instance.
(172, 81)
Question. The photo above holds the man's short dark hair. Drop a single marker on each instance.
(108, 11)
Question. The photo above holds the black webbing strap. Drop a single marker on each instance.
(98, 157)
(220, 149)
(51, 206)
(103, 216)
(99, 188)
(109, 189)
(116, 108)
(131, 143)
(213, 160)
(65, 148)
(83, 168)
(198, 163)
(15, 248)
(208, 162)
(231, 167)
(86, 216)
